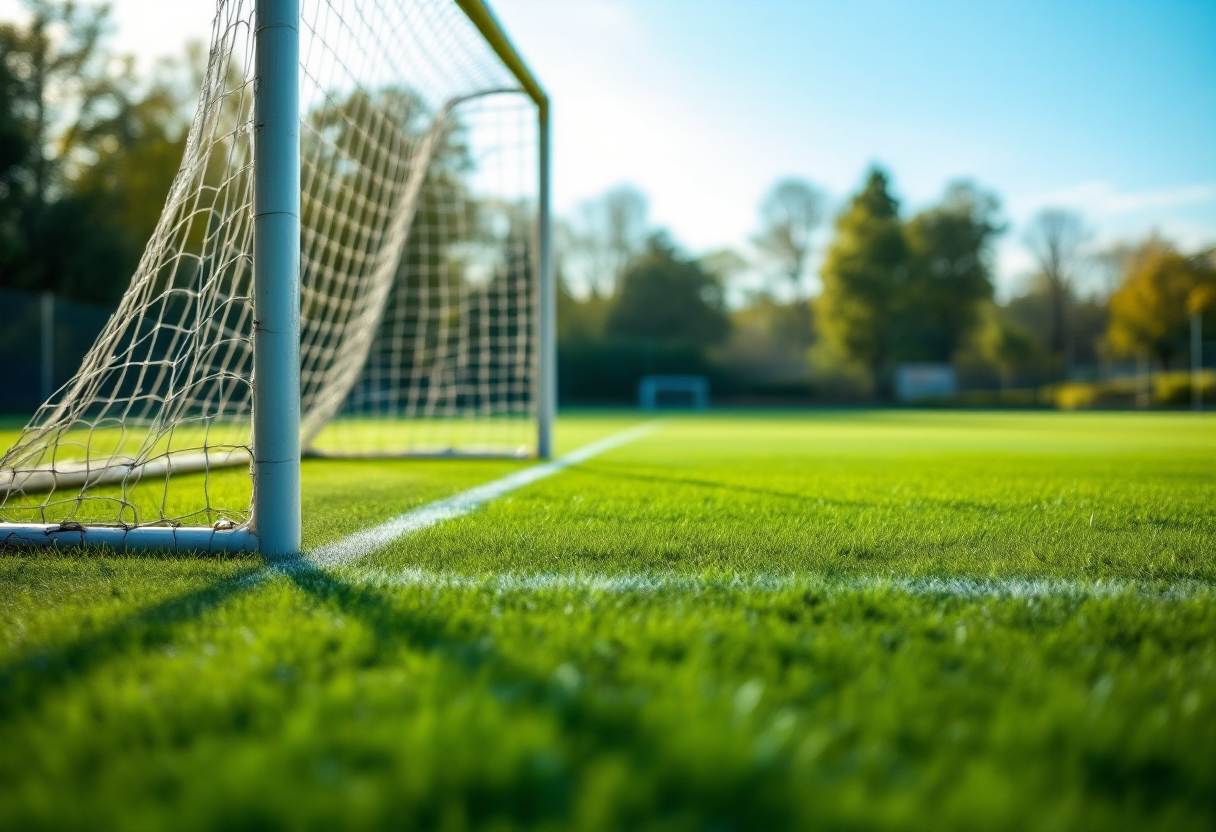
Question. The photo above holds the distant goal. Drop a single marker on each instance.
(683, 392)
(353, 260)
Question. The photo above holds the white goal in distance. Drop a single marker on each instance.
(352, 260)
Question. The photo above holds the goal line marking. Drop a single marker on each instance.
(676, 584)
(368, 541)
(344, 555)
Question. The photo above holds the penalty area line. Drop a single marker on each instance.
(368, 541)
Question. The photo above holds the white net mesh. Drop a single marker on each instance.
(418, 270)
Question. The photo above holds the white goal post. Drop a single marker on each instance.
(353, 260)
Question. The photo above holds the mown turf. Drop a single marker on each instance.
(710, 628)
(1073, 496)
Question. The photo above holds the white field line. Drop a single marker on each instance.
(343, 557)
(361, 544)
(624, 583)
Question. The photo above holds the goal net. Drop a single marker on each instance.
(419, 278)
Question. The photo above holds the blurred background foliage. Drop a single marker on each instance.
(88, 149)
(1108, 325)
(850, 291)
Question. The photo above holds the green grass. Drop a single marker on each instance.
(728, 624)
(228, 492)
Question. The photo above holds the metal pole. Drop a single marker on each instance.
(547, 381)
(1196, 361)
(48, 345)
(276, 278)
(1144, 383)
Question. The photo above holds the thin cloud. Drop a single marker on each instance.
(1100, 198)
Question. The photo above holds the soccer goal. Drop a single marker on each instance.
(352, 260)
(655, 392)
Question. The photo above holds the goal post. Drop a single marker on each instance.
(352, 260)
(546, 313)
(276, 278)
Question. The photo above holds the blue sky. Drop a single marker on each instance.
(1104, 106)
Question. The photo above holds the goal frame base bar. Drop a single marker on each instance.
(90, 473)
(310, 454)
(181, 539)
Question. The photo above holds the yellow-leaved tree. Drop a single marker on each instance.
(1150, 311)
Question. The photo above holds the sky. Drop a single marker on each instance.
(1107, 107)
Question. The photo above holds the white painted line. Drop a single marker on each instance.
(364, 543)
(659, 583)
(345, 554)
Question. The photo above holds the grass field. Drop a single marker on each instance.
(845, 620)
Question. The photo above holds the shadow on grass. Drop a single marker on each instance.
(609, 472)
(592, 724)
(24, 681)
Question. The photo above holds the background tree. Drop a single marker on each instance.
(770, 340)
(1110, 263)
(112, 204)
(578, 317)
(59, 88)
(865, 269)
(665, 296)
(18, 136)
(611, 230)
(1054, 238)
(87, 151)
(1088, 318)
(789, 214)
(1201, 298)
(1005, 343)
(725, 264)
(1150, 312)
(950, 275)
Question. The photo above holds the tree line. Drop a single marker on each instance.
(896, 289)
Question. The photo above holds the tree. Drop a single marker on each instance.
(17, 139)
(770, 340)
(87, 151)
(1150, 311)
(665, 296)
(119, 195)
(865, 269)
(57, 91)
(612, 230)
(1054, 238)
(725, 264)
(950, 275)
(1111, 262)
(1005, 343)
(789, 214)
